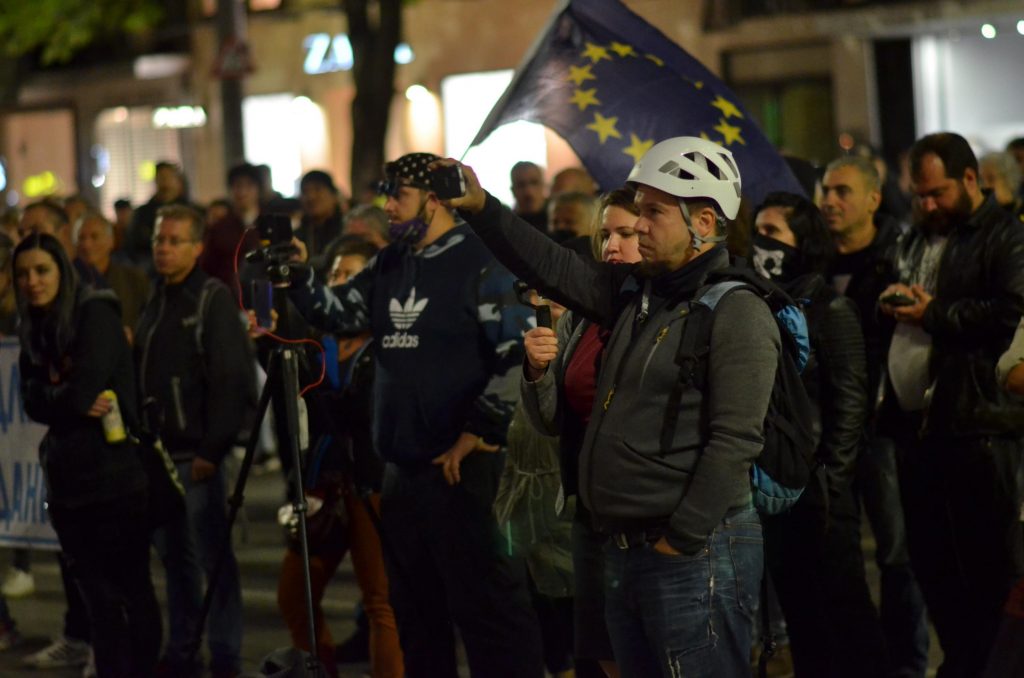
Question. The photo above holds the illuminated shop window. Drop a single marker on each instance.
(467, 100)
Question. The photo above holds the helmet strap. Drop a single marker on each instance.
(698, 240)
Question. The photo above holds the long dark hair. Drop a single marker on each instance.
(47, 335)
(803, 217)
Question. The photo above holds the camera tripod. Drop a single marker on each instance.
(282, 370)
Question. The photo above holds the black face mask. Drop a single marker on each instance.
(775, 260)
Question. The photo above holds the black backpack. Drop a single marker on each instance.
(788, 461)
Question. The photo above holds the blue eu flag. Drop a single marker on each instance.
(612, 86)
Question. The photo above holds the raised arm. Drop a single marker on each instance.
(540, 397)
(575, 281)
(344, 309)
(503, 320)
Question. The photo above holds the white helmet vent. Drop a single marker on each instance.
(673, 169)
(732, 165)
(691, 167)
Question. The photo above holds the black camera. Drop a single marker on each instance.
(274, 229)
(448, 182)
(275, 248)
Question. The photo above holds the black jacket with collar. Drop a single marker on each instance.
(978, 302)
(81, 467)
(202, 382)
(835, 377)
(878, 271)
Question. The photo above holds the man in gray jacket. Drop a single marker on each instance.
(684, 553)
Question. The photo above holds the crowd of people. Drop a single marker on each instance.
(573, 499)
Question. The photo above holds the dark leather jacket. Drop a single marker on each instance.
(835, 377)
(864, 288)
(978, 303)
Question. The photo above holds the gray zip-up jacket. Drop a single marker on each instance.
(626, 480)
(545, 405)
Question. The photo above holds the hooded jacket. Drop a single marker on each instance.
(447, 335)
(626, 479)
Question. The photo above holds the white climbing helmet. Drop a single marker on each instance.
(691, 167)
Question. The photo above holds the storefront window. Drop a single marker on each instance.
(128, 146)
(39, 155)
(467, 100)
(288, 134)
(955, 71)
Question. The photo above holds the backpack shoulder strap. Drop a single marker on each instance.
(202, 308)
(692, 353)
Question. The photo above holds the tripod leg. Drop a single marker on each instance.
(290, 377)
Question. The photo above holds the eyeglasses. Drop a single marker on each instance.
(171, 241)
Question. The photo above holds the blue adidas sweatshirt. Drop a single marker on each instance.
(448, 335)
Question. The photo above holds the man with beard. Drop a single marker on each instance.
(447, 344)
(962, 480)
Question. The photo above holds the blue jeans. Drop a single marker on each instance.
(686, 615)
(189, 548)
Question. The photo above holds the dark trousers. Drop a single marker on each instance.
(962, 498)
(902, 605)
(447, 568)
(592, 644)
(555, 617)
(106, 549)
(76, 617)
(817, 567)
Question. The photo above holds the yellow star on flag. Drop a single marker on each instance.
(704, 136)
(699, 84)
(655, 59)
(727, 107)
(637, 147)
(595, 53)
(584, 98)
(623, 50)
(605, 127)
(580, 74)
(730, 134)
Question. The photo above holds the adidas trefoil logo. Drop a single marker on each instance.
(403, 316)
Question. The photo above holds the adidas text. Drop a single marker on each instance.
(400, 340)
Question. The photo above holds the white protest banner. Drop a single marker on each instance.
(23, 519)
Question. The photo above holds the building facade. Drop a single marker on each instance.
(818, 80)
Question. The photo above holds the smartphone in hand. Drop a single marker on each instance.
(448, 182)
(263, 302)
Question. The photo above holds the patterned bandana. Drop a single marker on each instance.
(411, 170)
(776, 260)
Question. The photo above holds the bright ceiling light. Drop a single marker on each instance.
(417, 93)
(988, 31)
